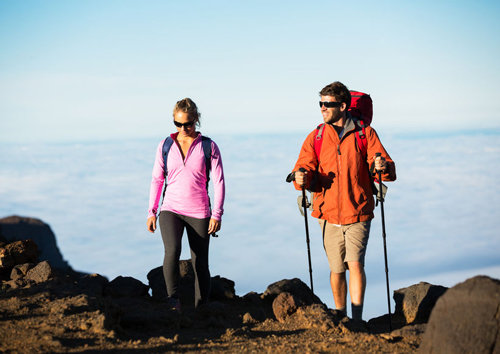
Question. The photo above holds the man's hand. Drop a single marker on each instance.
(152, 224)
(213, 226)
(380, 163)
(300, 177)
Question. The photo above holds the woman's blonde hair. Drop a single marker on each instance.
(187, 105)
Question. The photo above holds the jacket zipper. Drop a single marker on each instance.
(338, 183)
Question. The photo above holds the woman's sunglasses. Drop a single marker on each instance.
(185, 125)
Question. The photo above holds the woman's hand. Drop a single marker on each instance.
(213, 226)
(152, 224)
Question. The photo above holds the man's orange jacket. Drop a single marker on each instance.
(343, 191)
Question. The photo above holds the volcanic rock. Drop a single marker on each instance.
(126, 287)
(17, 252)
(19, 271)
(416, 302)
(293, 286)
(466, 319)
(40, 273)
(285, 305)
(221, 288)
(17, 228)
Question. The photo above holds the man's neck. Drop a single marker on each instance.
(341, 122)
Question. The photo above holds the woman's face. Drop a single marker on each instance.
(185, 126)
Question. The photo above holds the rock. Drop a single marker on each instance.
(285, 305)
(293, 286)
(221, 289)
(126, 287)
(416, 302)
(253, 297)
(465, 319)
(249, 319)
(20, 270)
(156, 282)
(40, 273)
(186, 282)
(93, 284)
(18, 252)
(16, 228)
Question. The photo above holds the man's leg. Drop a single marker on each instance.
(339, 289)
(356, 240)
(333, 242)
(357, 286)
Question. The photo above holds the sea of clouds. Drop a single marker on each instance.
(441, 214)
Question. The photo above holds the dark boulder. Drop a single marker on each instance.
(16, 228)
(416, 302)
(221, 289)
(126, 287)
(293, 286)
(93, 284)
(465, 319)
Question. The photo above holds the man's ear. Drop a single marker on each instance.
(343, 107)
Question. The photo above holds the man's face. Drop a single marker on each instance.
(334, 114)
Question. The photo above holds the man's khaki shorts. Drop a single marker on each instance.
(345, 243)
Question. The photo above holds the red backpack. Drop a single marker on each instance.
(362, 111)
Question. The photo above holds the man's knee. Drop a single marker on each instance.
(356, 267)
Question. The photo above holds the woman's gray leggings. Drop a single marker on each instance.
(172, 227)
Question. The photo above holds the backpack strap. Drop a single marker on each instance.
(361, 137)
(206, 143)
(167, 144)
(319, 140)
(207, 152)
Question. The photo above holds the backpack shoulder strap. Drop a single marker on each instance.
(319, 139)
(206, 142)
(167, 144)
(361, 137)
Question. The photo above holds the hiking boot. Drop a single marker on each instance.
(173, 304)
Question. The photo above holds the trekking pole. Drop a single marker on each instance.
(381, 198)
(304, 202)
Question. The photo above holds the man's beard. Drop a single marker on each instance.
(335, 119)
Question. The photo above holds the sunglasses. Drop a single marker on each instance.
(185, 125)
(330, 104)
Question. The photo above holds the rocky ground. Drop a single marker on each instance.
(61, 315)
(46, 309)
(43, 310)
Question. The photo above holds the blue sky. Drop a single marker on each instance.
(96, 70)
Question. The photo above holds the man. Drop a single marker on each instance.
(343, 196)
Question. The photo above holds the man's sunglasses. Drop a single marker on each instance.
(330, 104)
(185, 125)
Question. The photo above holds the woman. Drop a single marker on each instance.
(186, 203)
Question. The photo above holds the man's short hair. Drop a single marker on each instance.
(339, 91)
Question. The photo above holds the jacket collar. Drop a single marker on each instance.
(349, 126)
